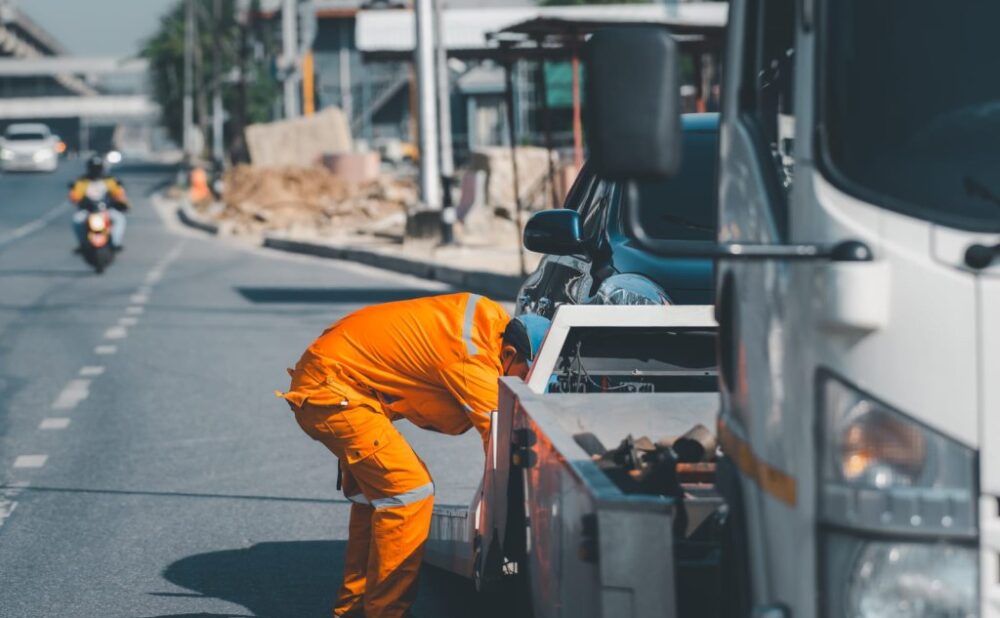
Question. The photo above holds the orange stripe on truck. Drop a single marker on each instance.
(778, 483)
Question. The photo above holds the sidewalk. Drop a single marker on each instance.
(492, 271)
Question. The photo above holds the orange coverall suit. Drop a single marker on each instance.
(433, 361)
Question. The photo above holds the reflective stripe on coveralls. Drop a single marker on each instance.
(470, 311)
(408, 497)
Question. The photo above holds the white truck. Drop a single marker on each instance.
(858, 299)
(858, 293)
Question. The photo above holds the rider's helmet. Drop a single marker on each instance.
(95, 167)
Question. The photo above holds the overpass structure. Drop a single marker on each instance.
(90, 102)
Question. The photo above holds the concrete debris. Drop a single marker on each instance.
(299, 141)
(311, 201)
(533, 176)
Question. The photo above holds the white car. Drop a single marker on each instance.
(29, 147)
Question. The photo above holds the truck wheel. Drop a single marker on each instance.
(506, 595)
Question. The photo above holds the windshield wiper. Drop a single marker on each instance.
(974, 188)
(681, 221)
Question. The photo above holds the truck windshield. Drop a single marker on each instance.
(911, 109)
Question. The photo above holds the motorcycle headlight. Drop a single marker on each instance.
(42, 155)
(96, 222)
(897, 509)
(629, 290)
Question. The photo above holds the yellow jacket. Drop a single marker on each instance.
(115, 190)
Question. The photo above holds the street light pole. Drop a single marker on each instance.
(430, 176)
(290, 51)
(188, 121)
(444, 92)
(217, 141)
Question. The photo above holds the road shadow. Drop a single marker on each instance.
(333, 296)
(295, 578)
(83, 271)
(299, 579)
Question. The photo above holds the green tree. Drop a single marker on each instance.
(249, 88)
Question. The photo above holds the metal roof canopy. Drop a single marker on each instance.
(478, 33)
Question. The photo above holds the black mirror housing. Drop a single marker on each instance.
(633, 107)
(556, 232)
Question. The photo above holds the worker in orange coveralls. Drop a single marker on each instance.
(433, 361)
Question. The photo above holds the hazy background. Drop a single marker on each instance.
(98, 27)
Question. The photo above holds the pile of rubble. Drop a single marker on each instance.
(310, 201)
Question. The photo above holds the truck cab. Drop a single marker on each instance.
(858, 295)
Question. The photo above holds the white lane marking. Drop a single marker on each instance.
(30, 461)
(134, 310)
(154, 276)
(145, 290)
(116, 332)
(105, 349)
(7, 502)
(128, 321)
(91, 371)
(33, 226)
(54, 423)
(76, 391)
(138, 299)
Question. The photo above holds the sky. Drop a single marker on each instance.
(98, 27)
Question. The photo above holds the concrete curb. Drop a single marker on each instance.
(188, 216)
(494, 285)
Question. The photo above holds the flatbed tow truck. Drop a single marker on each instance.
(586, 531)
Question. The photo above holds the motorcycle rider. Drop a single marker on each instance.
(117, 200)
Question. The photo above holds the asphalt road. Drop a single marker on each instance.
(146, 469)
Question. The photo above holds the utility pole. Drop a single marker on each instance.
(444, 92)
(189, 80)
(290, 51)
(217, 119)
(430, 176)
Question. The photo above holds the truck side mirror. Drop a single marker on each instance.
(633, 120)
(556, 232)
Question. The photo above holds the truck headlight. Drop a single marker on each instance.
(897, 508)
(866, 578)
(913, 579)
(629, 290)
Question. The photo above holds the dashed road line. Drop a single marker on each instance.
(128, 321)
(138, 299)
(76, 391)
(54, 423)
(7, 498)
(91, 371)
(134, 310)
(33, 226)
(105, 350)
(116, 332)
(30, 461)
